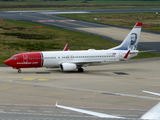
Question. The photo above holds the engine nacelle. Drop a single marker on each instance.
(68, 67)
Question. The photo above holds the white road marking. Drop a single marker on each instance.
(22, 107)
(130, 115)
(31, 110)
(48, 114)
(14, 110)
(47, 108)
(48, 111)
(63, 12)
(65, 112)
(2, 106)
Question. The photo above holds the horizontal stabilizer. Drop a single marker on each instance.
(102, 115)
(133, 52)
(147, 51)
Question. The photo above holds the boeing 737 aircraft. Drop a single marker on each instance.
(75, 60)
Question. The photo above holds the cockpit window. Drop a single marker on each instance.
(14, 58)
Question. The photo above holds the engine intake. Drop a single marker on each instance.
(68, 67)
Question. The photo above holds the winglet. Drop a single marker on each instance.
(127, 54)
(66, 47)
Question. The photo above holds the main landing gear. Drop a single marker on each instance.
(80, 69)
(19, 70)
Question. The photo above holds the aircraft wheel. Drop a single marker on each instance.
(19, 71)
(80, 70)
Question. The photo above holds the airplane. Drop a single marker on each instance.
(76, 60)
(152, 114)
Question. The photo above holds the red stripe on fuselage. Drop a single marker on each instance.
(26, 60)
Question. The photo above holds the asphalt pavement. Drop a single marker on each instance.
(114, 89)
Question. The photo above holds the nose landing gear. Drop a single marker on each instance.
(19, 70)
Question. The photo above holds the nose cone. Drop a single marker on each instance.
(8, 62)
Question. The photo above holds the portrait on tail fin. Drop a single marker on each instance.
(133, 42)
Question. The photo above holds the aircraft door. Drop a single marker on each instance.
(70, 57)
(120, 56)
(25, 58)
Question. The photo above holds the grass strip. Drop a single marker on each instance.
(151, 20)
(78, 4)
(19, 36)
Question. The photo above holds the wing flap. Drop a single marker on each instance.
(89, 62)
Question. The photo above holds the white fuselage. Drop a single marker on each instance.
(86, 57)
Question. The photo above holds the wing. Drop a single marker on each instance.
(88, 112)
(152, 114)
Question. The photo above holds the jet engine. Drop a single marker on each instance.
(68, 67)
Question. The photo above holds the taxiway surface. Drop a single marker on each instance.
(113, 89)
